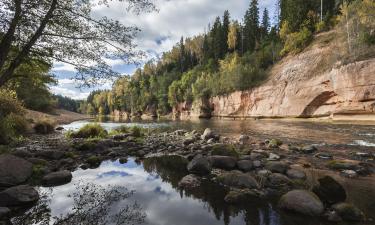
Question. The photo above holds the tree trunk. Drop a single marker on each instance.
(7, 74)
(7, 40)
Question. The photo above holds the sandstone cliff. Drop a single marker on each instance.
(313, 83)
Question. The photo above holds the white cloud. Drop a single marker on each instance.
(163, 29)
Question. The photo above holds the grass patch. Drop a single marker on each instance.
(89, 131)
(88, 145)
(70, 155)
(44, 126)
(120, 130)
(224, 150)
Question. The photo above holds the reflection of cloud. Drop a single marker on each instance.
(113, 174)
(159, 200)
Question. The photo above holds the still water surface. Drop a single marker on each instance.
(362, 134)
(159, 200)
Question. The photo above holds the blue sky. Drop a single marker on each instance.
(159, 32)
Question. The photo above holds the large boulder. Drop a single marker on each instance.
(223, 162)
(57, 178)
(190, 181)
(13, 170)
(18, 196)
(302, 201)
(278, 181)
(296, 174)
(238, 179)
(243, 196)
(277, 167)
(245, 165)
(329, 190)
(207, 134)
(50, 154)
(199, 165)
(348, 211)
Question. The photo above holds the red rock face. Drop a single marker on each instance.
(313, 83)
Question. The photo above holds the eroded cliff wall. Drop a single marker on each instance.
(313, 83)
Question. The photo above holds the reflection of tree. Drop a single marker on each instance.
(92, 205)
(39, 214)
(171, 169)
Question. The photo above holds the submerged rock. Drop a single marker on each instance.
(349, 173)
(50, 154)
(308, 149)
(223, 162)
(329, 190)
(4, 212)
(296, 174)
(199, 165)
(13, 170)
(302, 201)
(238, 179)
(18, 196)
(57, 178)
(342, 165)
(207, 134)
(241, 196)
(348, 211)
(278, 181)
(189, 182)
(273, 157)
(277, 167)
(245, 165)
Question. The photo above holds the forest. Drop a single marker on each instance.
(232, 55)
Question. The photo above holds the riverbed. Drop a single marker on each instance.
(147, 192)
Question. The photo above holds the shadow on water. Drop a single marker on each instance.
(104, 196)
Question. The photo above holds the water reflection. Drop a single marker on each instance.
(101, 196)
(91, 204)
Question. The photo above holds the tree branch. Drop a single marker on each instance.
(6, 75)
(7, 40)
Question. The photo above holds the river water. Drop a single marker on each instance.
(104, 195)
(360, 134)
(94, 197)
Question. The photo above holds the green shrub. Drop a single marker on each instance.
(9, 103)
(44, 126)
(321, 26)
(367, 38)
(120, 130)
(92, 130)
(86, 146)
(136, 131)
(18, 123)
(295, 42)
(12, 122)
(224, 150)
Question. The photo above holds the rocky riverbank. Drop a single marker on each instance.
(251, 169)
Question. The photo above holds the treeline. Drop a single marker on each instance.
(230, 56)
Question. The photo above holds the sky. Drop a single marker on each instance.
(160, 31)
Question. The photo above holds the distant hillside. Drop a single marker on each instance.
(60, 116)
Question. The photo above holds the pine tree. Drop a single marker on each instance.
(226, 23)
(251, 29)
(217, 39)
(266, 21)
(206, 49)
(182, 55)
